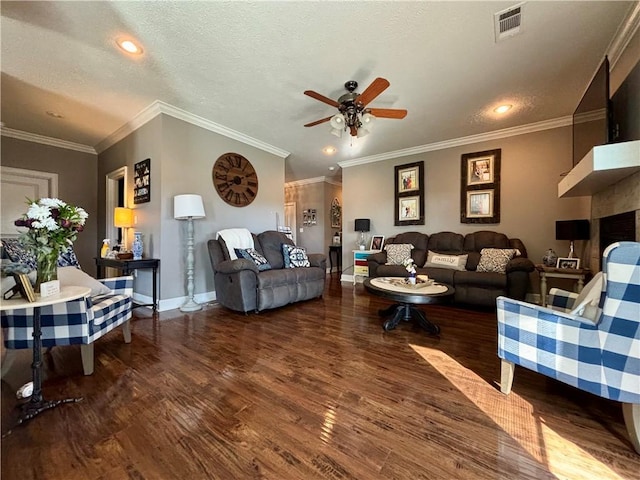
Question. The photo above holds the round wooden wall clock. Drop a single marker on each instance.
(235, 179)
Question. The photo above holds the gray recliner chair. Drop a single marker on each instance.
(241, 286)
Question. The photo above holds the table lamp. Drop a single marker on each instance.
(572, 230)
(362, 225)
(188, 207)
(123, 218)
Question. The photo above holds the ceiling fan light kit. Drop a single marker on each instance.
(354, 116)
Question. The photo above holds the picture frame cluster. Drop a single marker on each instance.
(409, 194)
(480, 187)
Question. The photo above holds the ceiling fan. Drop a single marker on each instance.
(354, 114)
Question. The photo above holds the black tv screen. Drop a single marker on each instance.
(592, 116)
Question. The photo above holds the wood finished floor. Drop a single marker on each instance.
(316, 390)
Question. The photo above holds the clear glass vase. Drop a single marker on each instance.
(47, 267)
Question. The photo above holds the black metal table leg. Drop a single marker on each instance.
(37, 404)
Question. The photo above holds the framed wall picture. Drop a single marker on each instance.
(336, 214)
(480, 187)
(409, 194)
(409, 208)
(408, 178)
(480, 170)
(480, 204)
(142, 182)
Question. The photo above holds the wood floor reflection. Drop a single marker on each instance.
(316, 390)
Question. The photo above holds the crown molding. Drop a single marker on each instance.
(306, 181)
(53, 142)
(458, 142)
(309, 181)
(143, 116)
(158, 107)
(624, 34)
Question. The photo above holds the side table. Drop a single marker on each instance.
(37, 404)
(127, 267)
(337, 249)
(577, 274)
(360, 264)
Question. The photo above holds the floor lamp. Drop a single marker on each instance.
(188, 207)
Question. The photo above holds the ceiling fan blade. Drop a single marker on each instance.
(378, 86)
(318, 122)
(387, 112)
(322, 98)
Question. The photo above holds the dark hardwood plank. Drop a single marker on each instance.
(315, 390)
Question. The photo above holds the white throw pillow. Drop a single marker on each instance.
(397, 253)
(495, 259)
(586, 305)
(440, 260)
(74, 276)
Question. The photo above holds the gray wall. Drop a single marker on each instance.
(77, 176)
(145, 142)
(530, 172)
(182, 157)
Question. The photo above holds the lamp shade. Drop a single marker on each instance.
(122, 217)
(572, 230)
(362, 224)
(185, 206)
(337, 121)
(368, 120)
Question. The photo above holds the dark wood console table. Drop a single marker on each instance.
(127, 267)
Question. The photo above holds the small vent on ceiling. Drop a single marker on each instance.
(508, 22)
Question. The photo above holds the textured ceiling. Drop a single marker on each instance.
(246, 65)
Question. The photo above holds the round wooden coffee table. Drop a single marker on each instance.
(407, 297)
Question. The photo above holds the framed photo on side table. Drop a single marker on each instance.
(571, 263)
(376, 242)
(409, 194)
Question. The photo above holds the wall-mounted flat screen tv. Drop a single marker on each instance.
(591, 119)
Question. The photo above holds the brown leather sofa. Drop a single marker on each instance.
(472, 287)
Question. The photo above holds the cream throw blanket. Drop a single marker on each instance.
(236, 238)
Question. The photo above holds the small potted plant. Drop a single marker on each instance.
(411, 268)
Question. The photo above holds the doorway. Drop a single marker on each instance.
(116, 196)
(290, 218)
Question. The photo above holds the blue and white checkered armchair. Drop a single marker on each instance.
(593, 347)
(81, 321)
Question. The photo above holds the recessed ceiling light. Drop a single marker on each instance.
(503, 108)
(329, 150)
(55, 114)
(332, 168)
(129, 46)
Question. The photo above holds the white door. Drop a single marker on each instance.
(16, 186)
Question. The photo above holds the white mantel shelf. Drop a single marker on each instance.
(601, 167)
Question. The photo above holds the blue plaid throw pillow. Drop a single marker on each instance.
(294, 257)
(251, 254)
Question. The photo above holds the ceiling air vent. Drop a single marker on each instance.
(508, 22)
